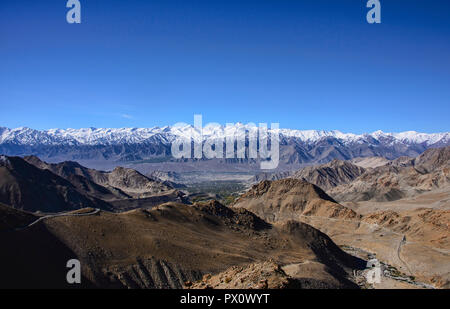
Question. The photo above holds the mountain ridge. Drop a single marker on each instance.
(403, 177)
(107, 136)
(103, 148)
(31, 184)
(165, 247)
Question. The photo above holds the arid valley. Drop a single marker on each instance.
(315, 227)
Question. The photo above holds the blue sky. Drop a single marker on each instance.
(306, 64)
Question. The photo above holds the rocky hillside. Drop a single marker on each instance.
(330, 175)
(33, 185)
(421, 225)
(168, 247)
(270, 275)
(288, 199)
(270, 176)
(415, 241)
(121, 182)
(171, 179)
(11, 218)
(24, 186)
(403, 177)
(370, 162)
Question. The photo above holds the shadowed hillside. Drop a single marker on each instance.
(171, 244)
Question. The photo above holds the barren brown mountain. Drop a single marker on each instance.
(403, 177)
(290, 199)
(325, 176)
(119, 183)
(424, 225)
(330, 175)
(415, 240)
(370, 162)
(273, 236)
(167, 246)
(11, 218)
(270, 275)
(31, 184)
(171, 179)
(24, 186)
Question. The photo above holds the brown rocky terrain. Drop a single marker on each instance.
(290, 199)
(325, 176)
(398, 212)
(415, 243)
(414, 240)
(24, 186)
(33, 185)
(166, 247)
(171, 179)
(330, 175)
(11, 218)
(421, 225)
(370, 162)
(269, 275)
(119, 183)
(270, 176)
(401, 178)
(263, 275)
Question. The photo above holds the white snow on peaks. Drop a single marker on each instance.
(105, 136)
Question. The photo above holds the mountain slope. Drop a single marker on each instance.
(421, 225)
(120, 183)
(370, 162)
(34, 185)
(329, 175)
(169, 245)
(170, 179)
(290, 199)
(24, 186)
(415, 241)
(11, 218)
(134, 183)
(403, 177)
(433, 159)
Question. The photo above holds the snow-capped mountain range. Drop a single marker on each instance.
(100, 136)
(297, 147)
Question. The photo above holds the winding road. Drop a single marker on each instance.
(399, 249)
(64, 214)
(373, 227)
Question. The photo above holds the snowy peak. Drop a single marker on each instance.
(109, 136)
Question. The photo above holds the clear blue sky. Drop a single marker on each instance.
(306, 64)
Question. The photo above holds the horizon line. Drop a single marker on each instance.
(223, 126)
